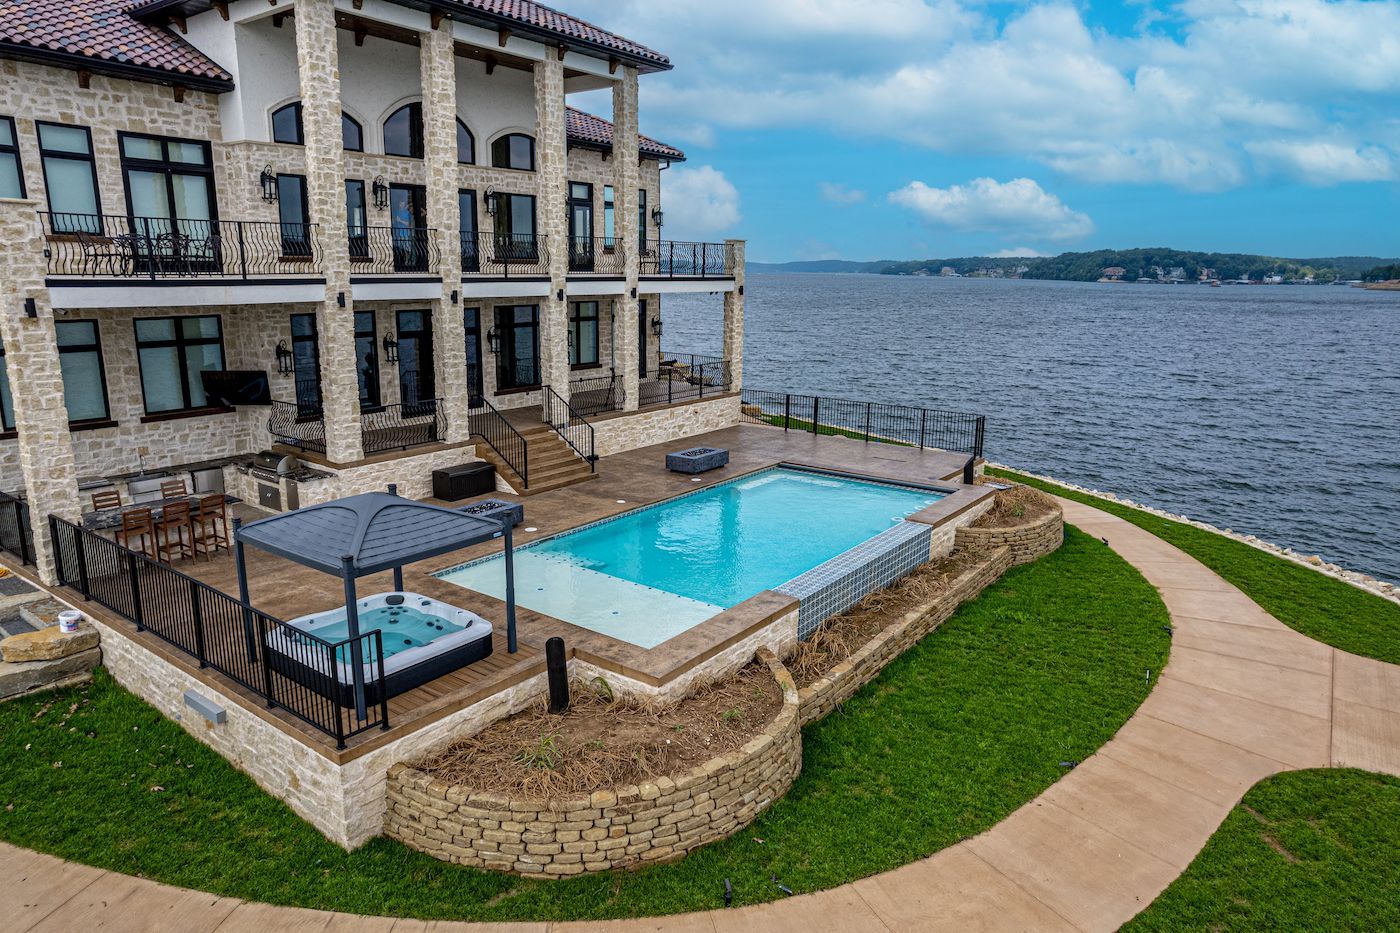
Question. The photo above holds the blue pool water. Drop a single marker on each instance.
(403, 627)
(650, 574)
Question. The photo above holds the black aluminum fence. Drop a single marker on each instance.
(597, 255)
(288, 668)
(868, 421)
(594, 395)
(298, 425)
(570, 425)
(116, 246)
(390, 250)
(678, 260)
(491, 426)
(683, 377)
(399, 427)
(16, 532)
(507, 255)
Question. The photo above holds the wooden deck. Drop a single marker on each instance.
(286, 590)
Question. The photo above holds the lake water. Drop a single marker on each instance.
(1272, 410)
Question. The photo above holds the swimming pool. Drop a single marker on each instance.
(652, 573)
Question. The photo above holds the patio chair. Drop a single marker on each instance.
(106, 500)
(138, 525)
(173, 489)
(209, 526)
(173, 531)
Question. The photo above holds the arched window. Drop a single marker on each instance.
(466, 144)
(352, 135)
(286, 124)
(515, 150)
(403, 132)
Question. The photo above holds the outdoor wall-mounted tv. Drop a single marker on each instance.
(232, 388)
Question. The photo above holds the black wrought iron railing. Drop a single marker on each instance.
(869, 421)
(392, 250)
(399, 427)
(593, 395)
(683, 377)
(569, 425)
(491, 426)
(509, 255)
(597, 255)
(16, 532)
(296, 424)
(290, 669)
(671, 259)
(121, 247)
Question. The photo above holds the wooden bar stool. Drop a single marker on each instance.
(106, 500)
(173, 532)
(173, 489)
(138, 525)
(209, 526)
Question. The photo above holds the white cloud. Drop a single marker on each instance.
(1234, 90)
(1017, 208)
(1017, 252)
(840, 194)
(700, 200)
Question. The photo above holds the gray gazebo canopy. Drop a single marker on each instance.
(371, 533)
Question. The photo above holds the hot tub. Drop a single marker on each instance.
(423, 640)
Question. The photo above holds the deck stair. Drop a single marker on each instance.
(553, 464)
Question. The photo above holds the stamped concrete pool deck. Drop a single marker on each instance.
(1243, 697)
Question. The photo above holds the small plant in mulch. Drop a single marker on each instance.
(1019, 505)
(839, 637)
(606, 741)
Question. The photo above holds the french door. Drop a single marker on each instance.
(170, 203)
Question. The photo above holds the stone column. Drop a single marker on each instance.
(438, 62)
(551, 158)
(627, 178)
(36, 380)
(319, 70)
(734, 317)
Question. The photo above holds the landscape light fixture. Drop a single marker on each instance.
(268, 181)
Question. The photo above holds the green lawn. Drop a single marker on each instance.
(957, 733)
(1319, 606)
(1310, 850)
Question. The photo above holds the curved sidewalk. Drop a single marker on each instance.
(1242, 698)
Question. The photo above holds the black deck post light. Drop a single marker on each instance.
(240, 560)
(352, 624)
(510, 584)
(398, 571)
(557, 666)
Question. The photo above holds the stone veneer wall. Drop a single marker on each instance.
(614, 435)
(944, 537)
(1027, 542)
(820, 698)
(655, 821)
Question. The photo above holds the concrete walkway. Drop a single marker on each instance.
(1242, 698)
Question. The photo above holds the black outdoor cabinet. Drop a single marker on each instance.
(461, 482)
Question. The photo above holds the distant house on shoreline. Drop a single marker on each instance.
(1113, 274)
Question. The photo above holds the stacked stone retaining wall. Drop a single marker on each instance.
(655, 821)
(1028, 542)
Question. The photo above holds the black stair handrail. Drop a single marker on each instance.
(570, 425)
(486, 422)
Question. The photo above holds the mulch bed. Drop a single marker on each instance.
(1014, 507)
(602, 742)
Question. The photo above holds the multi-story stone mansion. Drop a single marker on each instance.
(370, 233)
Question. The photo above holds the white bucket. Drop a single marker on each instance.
(68, 621)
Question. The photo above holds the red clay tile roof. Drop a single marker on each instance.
(104, 31)
(529, 13)
(595, 131)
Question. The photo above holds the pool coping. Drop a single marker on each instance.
(662, 664)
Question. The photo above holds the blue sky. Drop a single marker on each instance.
(870, 129)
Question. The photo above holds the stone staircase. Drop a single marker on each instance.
(553, 464)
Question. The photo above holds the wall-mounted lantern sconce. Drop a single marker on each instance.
(340, 299)
(391, 349)
(657, 216)
(559, 295)
(491, 200)
(381, 193)
(634, 293)
(268, 181)
(454, 296)
(656, 326)
(31, 308)
(493, 340)
(285, 362)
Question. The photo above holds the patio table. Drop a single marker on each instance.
(107, 519)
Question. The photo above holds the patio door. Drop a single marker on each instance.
(416, 383)
(642, 338)
(306, 365)
(471, 245)
(518, 363)
(408, 217)
(472, 322)
(581, 257)
(170, 204)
